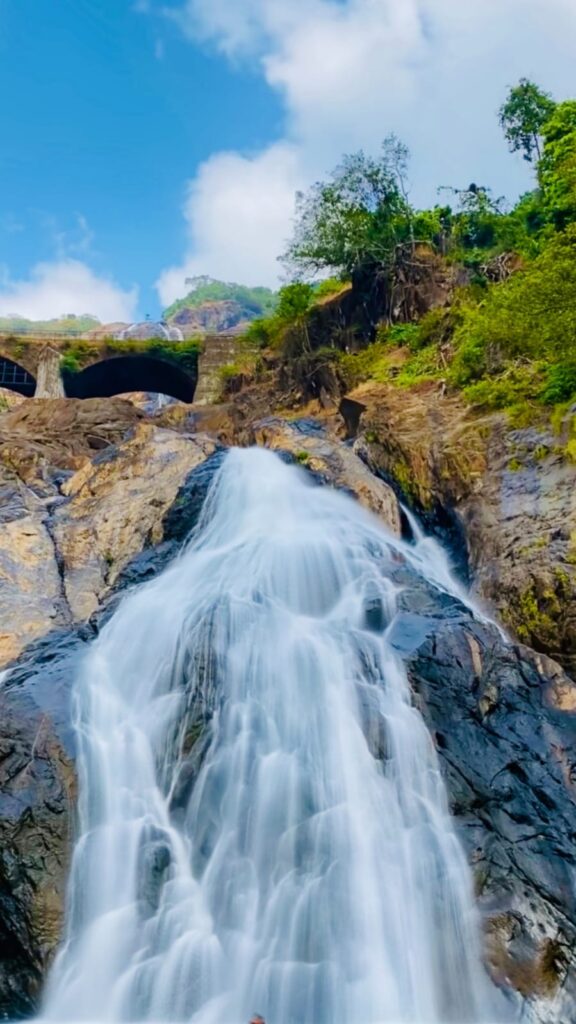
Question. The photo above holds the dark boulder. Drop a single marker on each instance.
(37, 807)
(504, 722)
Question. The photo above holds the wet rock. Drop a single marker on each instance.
(504, 721)
(335, 463)
(155, 858)
(37, 771)
(37, 810)
(88, 523)
(184, 512)
(176, 526)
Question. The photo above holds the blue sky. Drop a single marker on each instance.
(106, 113)
(143, 143)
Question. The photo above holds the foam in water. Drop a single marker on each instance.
(305, 866)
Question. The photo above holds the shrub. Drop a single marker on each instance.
(531, 315)
(560, 383)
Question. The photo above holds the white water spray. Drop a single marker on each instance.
(297, 859)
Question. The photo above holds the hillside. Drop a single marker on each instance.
(452, 355)
(214, 307)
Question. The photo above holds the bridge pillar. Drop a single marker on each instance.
(218, 352)
(48, 380)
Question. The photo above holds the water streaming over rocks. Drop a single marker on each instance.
(263, 825)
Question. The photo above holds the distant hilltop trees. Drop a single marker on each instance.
(252, 302)
(69, 323)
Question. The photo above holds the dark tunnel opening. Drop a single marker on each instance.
(120, 374)
(15, 378)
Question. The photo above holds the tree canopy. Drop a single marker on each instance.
(523, 116)
(507, 334)
(359, 212)
(257, 301)
(557, 169)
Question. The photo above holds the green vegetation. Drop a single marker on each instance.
(540, 611)
(360, 213)
(557, 168)
(288, 326)
(329, 287)
(256, 302)
(507, 336)
(303, 458)
(248, 364)
(523, 116)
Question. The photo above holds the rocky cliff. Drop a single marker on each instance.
(225, 316)
(503, 495)
(96, 497)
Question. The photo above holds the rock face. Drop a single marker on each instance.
(504, 723)
(37, 809)
(217, 317)
(116, 506)
(508, 494)
(421, 281)
(41, 442)
(65, 536)
(96, 497)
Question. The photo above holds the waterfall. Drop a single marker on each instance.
(263, 824)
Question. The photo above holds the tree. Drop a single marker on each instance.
(359, 213)
(523, 117)
(557, 168)
(475, 225)
(294, 302)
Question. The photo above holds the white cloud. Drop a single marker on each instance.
(351, 71)
(66, 286)
(238, 27)
(238, 211)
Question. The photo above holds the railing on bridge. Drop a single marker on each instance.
(43, 333)
(47, 336)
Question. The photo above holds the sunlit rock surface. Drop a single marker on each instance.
(84, 486)
(116, 507)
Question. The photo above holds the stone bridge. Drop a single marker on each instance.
(85, 368)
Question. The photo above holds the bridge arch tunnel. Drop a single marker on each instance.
(120, 374)
(14, 377)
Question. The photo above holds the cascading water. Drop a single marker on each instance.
(294, 855)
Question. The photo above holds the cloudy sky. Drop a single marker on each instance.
(144, 141)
